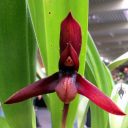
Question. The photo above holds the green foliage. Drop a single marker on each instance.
(122, 102)
(17, 61)
(97, 73)
(82, 111)
(3, 123)
(119, 61)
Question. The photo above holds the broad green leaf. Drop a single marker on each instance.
(125, 119)
(89, 73)
(3, 123)
(84, 103)
(122, 102)
(109, 79)
(101, 77)
(17, 61)
(47, 16)
(82, 111)
(119, 61)
(97, 66)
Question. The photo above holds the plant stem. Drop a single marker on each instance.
(65, 113)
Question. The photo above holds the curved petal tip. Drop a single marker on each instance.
(89, 90)
(43, 86)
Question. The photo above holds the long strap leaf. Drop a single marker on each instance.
(119, 61)
(102, 78)
(17, 60)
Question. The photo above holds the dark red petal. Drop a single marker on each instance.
(70, 33)
(95, 95)
(43, 86)
(69, 51)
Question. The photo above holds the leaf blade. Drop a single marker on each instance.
(16, 45)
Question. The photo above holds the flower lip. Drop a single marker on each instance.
(66, 87)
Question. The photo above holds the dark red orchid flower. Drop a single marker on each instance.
(67, 82)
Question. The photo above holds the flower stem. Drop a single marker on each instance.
(65, 113)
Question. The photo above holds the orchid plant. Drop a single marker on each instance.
(67, 82)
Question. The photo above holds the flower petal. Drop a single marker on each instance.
(66, 89)
(95, 95)
(70, 33)
(69, 51)
(43, 86)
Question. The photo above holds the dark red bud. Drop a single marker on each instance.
(70, 34)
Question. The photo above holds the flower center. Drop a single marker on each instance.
(69, 62)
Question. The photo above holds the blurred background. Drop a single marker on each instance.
(108, 25)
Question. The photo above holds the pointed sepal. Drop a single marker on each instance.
(43, 86)
(86, 88)
(70, 33)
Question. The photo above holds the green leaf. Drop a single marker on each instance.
(84, 102)
(122, 102)
(125, 119)
(101, 77)
(17, 61)
(3, 123)
(119, 61)
(82, 111)
(47, 17)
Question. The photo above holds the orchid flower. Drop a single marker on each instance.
(67, 82)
